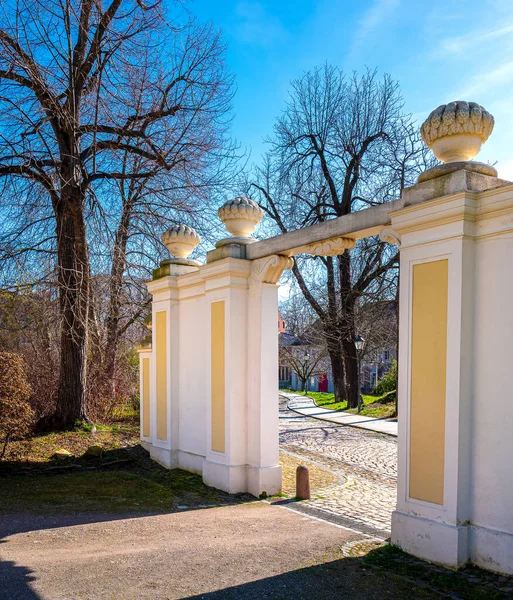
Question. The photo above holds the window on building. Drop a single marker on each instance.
(372, 379)
(284, 373)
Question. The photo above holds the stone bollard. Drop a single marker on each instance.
(302, 483)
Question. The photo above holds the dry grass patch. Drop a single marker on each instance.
(319, 477)
(40, 448)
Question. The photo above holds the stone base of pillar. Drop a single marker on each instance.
(188, 461)
(437, 542)
(492, 549)
(146, 445)
(165, 457)
(264, 480)
(229, 478)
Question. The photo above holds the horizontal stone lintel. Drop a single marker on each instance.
(369, 221)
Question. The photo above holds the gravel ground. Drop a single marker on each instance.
(247, 551)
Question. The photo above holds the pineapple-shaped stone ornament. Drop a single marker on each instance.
(181, 240)
(456, 131)
(241, 217)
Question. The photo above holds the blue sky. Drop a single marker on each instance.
(438, 50)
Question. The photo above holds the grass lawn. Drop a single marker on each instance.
(110, 492)
(122, 479)
(470, 583)
(372, 407)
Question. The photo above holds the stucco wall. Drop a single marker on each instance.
(491, 481)
(192, 375)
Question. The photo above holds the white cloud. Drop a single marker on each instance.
(379, 12)
(486, 83)
(255, 25)
(464, 44)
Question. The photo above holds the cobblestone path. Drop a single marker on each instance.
(365, 464)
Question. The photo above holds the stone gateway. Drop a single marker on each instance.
(209, 377)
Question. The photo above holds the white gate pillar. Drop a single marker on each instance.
(264, 472)
(435, 380)
(242, 382)
(225, 338)
(456, 236)
(214, 360)
(164, 405)
(144, 349)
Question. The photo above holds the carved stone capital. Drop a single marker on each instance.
(331, 247)
(387, 234)
(268, 269)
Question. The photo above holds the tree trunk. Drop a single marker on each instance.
(73, 277)
(333, 335)
(351, 368)
(350, 355)
(347, 330)
(337, 371)
(115, 289)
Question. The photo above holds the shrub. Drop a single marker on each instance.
(388, 383)
(16, 415)
(388, 397)
(106, 398)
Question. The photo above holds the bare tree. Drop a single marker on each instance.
(306, 361)
(84, 89)
(376, 322)
(342, 144)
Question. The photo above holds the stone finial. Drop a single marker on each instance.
(180, 240)
(456, 131)
(240, 216)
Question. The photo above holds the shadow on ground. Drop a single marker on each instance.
(19, 578)
(381, 573)
(120, 484)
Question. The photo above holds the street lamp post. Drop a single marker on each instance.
(359, 343)
(307, 358)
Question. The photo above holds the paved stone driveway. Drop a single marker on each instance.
(364, 462)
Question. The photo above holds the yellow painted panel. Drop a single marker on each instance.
(428, 380)
(218, 376)
(146, 396)
(161, 375)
